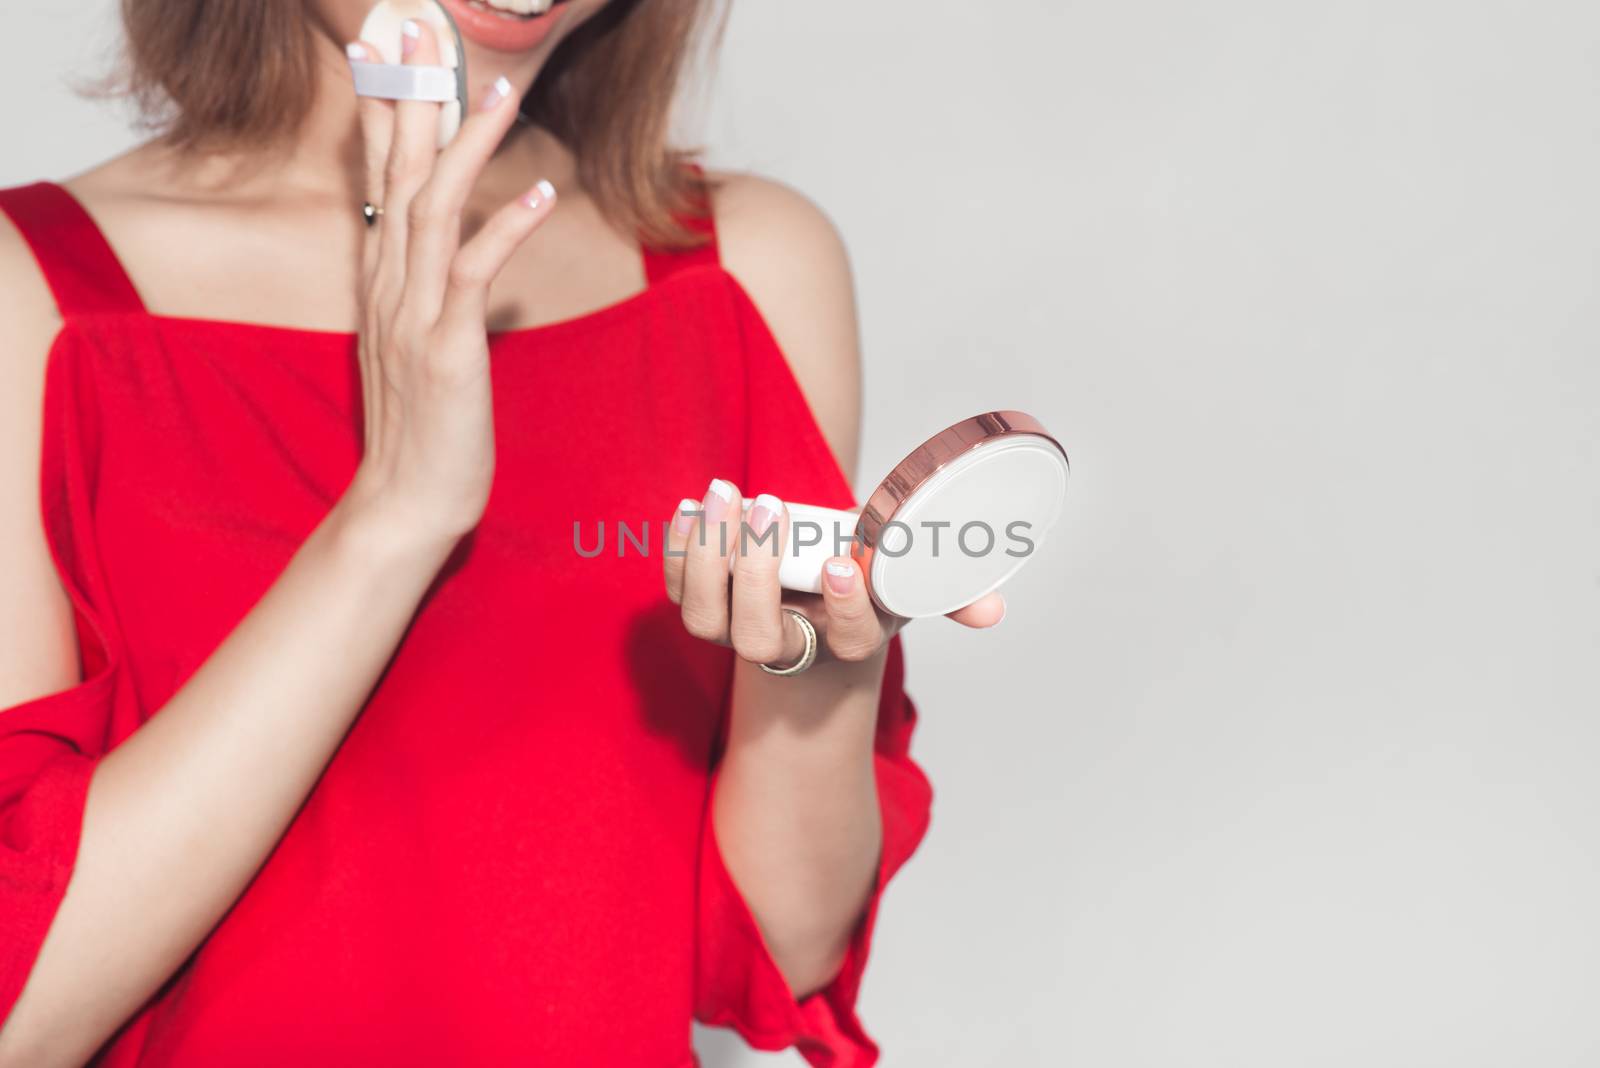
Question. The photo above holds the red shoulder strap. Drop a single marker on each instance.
(77, 262)
(662, 263)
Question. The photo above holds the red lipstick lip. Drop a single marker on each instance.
(502, 35)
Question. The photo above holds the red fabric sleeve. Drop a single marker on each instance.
(49, 746)
(41, 812)
(737, 983)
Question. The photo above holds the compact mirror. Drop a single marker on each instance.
(954, 520)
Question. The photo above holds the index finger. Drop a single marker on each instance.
(413, 147)
(376, 117)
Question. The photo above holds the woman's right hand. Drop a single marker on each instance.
(178, 817)
(428, 463)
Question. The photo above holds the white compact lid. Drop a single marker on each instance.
(962, 514)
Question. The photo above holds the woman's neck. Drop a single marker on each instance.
(324, 158)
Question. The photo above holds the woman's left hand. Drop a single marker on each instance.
(743, 607)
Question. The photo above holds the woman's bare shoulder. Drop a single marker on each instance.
(36, 651)
(27, 306)
(789, 256)
(128, 176)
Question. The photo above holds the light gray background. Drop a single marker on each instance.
(1285, 754)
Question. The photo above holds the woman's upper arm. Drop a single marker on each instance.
(789, 257)
(38, 650)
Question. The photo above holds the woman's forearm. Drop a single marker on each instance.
(796, 809)
(181, 815)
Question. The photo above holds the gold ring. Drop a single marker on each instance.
(808, 657)
(370, 212)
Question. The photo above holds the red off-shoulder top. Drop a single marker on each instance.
(510, 859)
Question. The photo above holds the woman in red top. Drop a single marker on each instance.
(320, 743)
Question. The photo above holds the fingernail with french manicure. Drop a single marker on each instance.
(719, 496)
(841, 576)
(497, 92)
(683, 522)
(762, 514)
(539, 195)
(356, 51)
(410, 32)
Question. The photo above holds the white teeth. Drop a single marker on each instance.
(517, 7)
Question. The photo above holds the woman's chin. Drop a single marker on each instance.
(499, 29)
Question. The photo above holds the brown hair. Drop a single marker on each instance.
(236, 73)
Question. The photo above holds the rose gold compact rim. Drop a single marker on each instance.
(910, 474)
